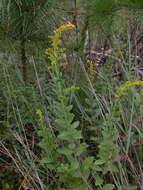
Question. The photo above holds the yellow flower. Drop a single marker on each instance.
(39, 114)
(91, 70)
(65, 26)
(55, 53)
(138, 83)
(123, 90)
(118, 53)
(70, 89)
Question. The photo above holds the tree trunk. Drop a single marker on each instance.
(23, 51)
(23, 59)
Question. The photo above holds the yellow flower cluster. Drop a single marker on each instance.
(70, 89)
(65, 26)
(91, 70)
(124, 89)
(118, 53)
(39, 114)
(55, 53)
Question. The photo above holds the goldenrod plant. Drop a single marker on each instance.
(70, 166)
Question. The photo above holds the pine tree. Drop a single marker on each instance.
(24, 20)
(99, 17)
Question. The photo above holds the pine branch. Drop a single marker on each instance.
(38, 4)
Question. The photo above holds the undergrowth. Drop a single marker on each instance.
(61, 134)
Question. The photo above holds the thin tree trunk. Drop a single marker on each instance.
(23, 51)
(75, 20)
(23, 59)
(1, 185)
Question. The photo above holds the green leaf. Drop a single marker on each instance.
(71, 146)
(108, 187)
(87, 163)
(99, 162)
(69, 108)
(82, 147)
(98, 180)
(97, 168)
(74, 165)
(63, 168)
(75, 124)
(60, 123)
(64, 135)
(65, 151)
(70, 117)
(86, 166)
(76, 134)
